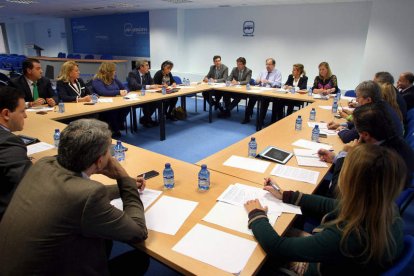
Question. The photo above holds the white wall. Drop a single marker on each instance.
(307, 34)
(390, 40)
(37, 32)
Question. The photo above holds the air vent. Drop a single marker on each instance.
(178, 1)
(25, 2)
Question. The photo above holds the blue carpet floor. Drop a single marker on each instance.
(194, 139)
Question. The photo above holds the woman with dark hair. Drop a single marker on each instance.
(361, 232)
(165, 78)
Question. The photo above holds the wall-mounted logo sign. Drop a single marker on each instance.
(130, 30)
(248, 28)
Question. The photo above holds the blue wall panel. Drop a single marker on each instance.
(119, 35)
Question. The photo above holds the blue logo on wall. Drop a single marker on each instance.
(248, 28)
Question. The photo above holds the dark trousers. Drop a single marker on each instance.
(115, 118)
(217, 97)
(169, 105)
(148, 109)
(231, 104)
(134, 262)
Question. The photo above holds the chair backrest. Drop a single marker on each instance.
(177, 80)
(50, 72)
(61, 55)
(77, 56)
(350, 93)
(70, 55)
(252, 82)
(89, 56)
(107, 57)
(405, 258)
(4, 77)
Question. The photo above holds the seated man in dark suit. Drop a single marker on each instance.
(37, 89)
(375, 126)
(217, 73)
(240, 75)
(59, 220)
(406, 87)
(13, 153)
(137, 79)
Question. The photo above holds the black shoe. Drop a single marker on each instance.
(154, 123)
(246, 121)
(220, 107)
(143, 121)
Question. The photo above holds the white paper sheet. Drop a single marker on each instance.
(245, 163)
(105, 100)
(311, 145)
(233, 217)
(39, 147)
(238, 194)
(168, 214)
(305, 152)
(131, 96)
(148, 196)
(295, 173)
(348, 98)
(40, 108)
(186, 87)
(326, 107)
(219, 84)
(323, 128)
(219, 249)
(267, 89)
(310, 162)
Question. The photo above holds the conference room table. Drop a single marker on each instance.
(159, 245)
(281, 135)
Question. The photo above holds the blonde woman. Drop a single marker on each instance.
(69, 86)
(326, 83)
(105, 84)
(389, 95)
(361, 232)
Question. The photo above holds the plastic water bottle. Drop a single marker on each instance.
(293, 90)
(310, 92)
(298, 123)
(338, 96)
(56, 137)
(210, 80)
(61, 106)
(143, 90)
(227, 83)
(119, 151)
(252, 148)
(248, 86)
(315, 134)
(188, 82)
(204, 178)
(164, 90)
(335, 106)
(168, 176)
(95, 98)
(312, 115)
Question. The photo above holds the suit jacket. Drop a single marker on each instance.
(159, 76)
(58, 221)
(223, 73)
(43, 85)
(13, 166)
(408, 96)
(135, 82)
(246, 76)
(302, 84)
(66, 92)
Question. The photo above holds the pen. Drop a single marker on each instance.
(143, 176)
(274, 185)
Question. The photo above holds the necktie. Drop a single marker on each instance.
(217, 73)
(268, 74)
(35, 91)
(142, 79)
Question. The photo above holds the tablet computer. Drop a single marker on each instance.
(27, 140)
(276, 154)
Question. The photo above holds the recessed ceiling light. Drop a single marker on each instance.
(26, 2)
(224, 6)
(178, 1)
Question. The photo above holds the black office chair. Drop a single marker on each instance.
(50, 72)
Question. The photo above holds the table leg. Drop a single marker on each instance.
(210, 108)
(161, 118)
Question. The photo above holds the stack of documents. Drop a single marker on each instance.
(295, 173)
(245, 163)
(40, 108)
(308, 158)
(105, 100)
